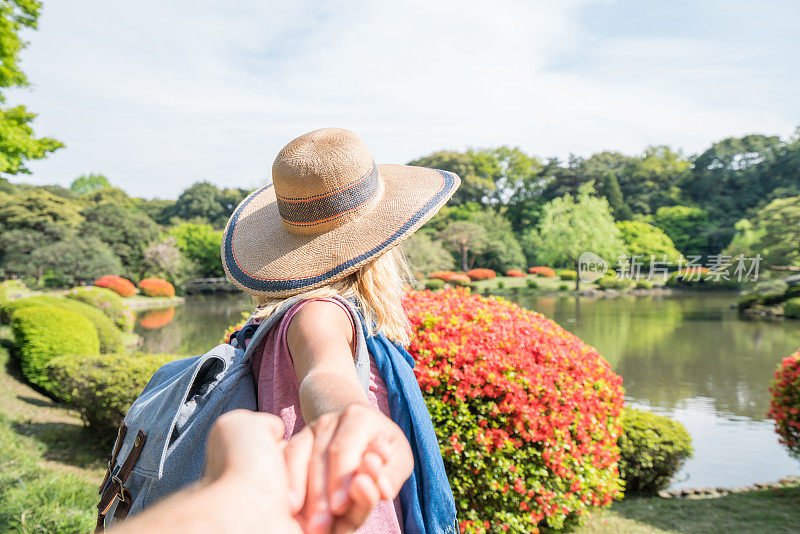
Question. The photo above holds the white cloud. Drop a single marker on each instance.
(157, 95)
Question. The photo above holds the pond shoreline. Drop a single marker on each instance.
(149, 303)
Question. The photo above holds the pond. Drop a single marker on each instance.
(688, 356)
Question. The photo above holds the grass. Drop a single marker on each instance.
(766, 511)
(49, 465)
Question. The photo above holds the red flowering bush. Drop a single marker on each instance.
(155, 319)
(784, 408)
(481, 274)
(546, 272)
(157, 287)
(515, 273)
(442, 275)
(121, 286)
(527, 415)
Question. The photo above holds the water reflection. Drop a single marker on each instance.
(196, 327)
(692, 358)
(689, 357)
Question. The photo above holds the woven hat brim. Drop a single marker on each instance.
(261, 257)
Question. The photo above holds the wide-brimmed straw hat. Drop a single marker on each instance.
(329, 210)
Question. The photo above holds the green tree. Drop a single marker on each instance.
(474, 187)
(648, 242)
(72, 261)
(503, 251)
(609, 188)
(687, 226)
(426, 255)
(653, 180)
(200, 245)
(163, 258)
(37, 209)
(465, 239)
(778, 227)
(205, 202)
(88, 183)
(17, 142)
(157, 209)
(571, 226)
(126, 231)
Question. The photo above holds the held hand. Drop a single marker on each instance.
(357, 457)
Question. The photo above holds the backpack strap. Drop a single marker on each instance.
(115, 487)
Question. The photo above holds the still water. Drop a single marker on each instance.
(689, 357)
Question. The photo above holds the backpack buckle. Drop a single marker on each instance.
(113, 486)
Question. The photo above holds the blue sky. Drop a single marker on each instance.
(158, 95)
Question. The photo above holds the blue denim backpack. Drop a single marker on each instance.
(160, 447)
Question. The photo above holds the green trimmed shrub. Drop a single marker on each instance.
(771, 292)
(612, 282)
(567, 274)
(109, 335)
(792, 291)
(434, 284)
(106, 301)
(102, 388)
(45, 332)
(652, 449)
(792, 308)
(531, 283)
(501, 284)
(563, 287)
(747, 301)
(644, 284)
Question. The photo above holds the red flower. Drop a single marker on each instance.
(156, 287)
(121, 286)
(784, 407)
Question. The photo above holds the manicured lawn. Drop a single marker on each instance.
(49, 465)
(767, 511)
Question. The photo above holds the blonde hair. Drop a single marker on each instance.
(378, 288)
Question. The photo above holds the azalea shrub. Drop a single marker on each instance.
(156, 287)
(481, 274)
(107, 302)
(121, 286)
(784, 407)
(155, 319)
(527, 415)
(441, 275)
(515, 273)
(545, 272)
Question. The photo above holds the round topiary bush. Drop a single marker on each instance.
(156, 287)
(567, 274)
(652, 449)
(481, 274)
(612, 282)
(784, 408)
(434, 283)
(791, 309)
(109, 335)
(644, 284)
(515, 273)
(43, 332)
(545, 272)
(458, 279)
(121, 286)
(527, 415)
(107, 302)
(441, 275)
(102, 388)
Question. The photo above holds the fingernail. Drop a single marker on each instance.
(385, 485)
(339, 499)
(320, 518)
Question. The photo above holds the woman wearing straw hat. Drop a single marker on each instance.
(326, 229)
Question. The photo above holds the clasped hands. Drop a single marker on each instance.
(326, 479)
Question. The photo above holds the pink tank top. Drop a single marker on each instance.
(278, 392)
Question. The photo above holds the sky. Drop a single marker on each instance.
(159, 95)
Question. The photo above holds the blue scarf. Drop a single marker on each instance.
(428, 504)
